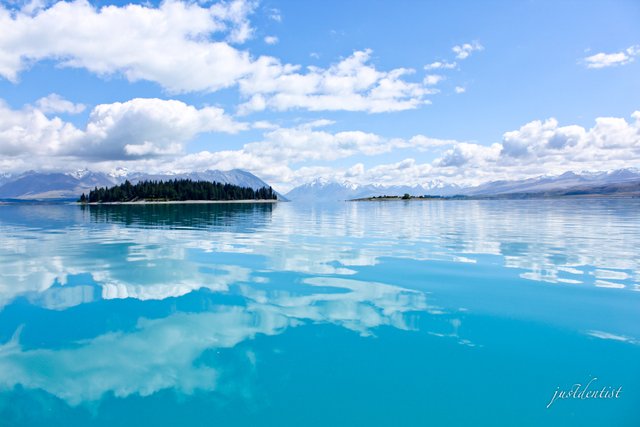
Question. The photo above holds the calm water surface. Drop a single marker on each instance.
(445, 313)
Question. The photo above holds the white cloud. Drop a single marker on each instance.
(235, 18)
(460, 89)
(143, 127)
(272, 157)
(424, 143)
(263, 124)
(537, 148)
(433, 79)
(30, 132)
(152, 135)
(271, 40)
(275, 15)
(136, 128)
(170, 44)
(463, 153)
(186, 47)
(305, 143)
(464, 50)
(604, 60)
(545, 147)
(351, 84)
(355, 171)
(54, 103)
(440, 65)
(282, 149)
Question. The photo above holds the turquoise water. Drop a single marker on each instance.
(437, 313)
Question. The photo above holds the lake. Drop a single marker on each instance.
(406, 313)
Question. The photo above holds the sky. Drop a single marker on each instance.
(384, 92)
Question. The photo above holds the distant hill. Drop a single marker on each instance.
(618, 189)
(618, 182)
(555, 184)
(36, 185)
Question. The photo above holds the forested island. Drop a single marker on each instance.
(174, 191)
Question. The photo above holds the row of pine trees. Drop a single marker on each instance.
(177, 189)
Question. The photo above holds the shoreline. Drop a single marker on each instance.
(515, 196)
(398, 199)
(179, 202)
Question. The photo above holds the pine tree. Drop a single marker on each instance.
(184, 189)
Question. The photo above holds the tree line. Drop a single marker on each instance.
(175, 190)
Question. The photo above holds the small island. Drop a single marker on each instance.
(177, 191)
(406, 196)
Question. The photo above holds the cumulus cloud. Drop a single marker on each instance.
(143, 127)
(545, 147)
(355, 171)
(119, 131)
(285, 157)
(170, 44)
(352, 84)
(604, 60)
(433, 79)
(54, 103)
(305, 143)
(153, 134)
(463, 153)
(440, 65)
(234, 16)
(272, 157)
(29, 131)
(464, 50)
(187, 47)
(536, 148)
(460, 89)
(424, 143)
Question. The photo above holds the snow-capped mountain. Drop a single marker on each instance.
(622, 180)
(549, 184)
(33, 185)
(234, 176)
(37, 185)
(79, 174)
(5, 177)
(322, 190)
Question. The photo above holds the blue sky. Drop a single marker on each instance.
(401, 92)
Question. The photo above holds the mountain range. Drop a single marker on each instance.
(618, 182)
(322, 190)
(33, 185)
